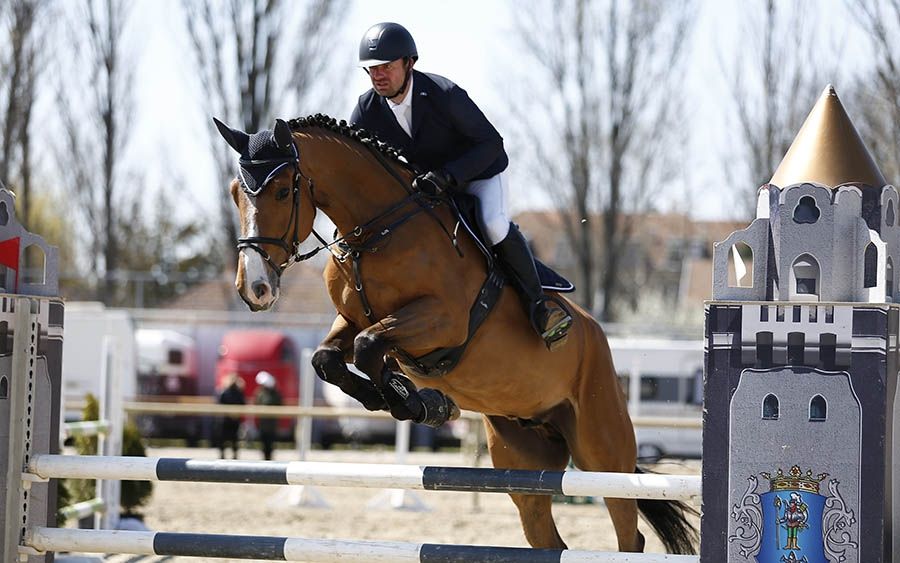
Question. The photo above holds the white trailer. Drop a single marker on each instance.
(87, 325)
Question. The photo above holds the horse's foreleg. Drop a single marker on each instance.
(514, 446)
(329, 361)
(419, 325)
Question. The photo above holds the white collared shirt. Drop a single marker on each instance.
(403, 110)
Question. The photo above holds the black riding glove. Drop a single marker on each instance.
(435, 182)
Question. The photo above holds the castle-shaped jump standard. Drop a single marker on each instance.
(801, 361)
(31, 336)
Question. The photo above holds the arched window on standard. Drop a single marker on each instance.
(35, 269)
(870, 266)
(770, 407)
(818, 409)
(740, 265)
(889, 280)
(805, 274)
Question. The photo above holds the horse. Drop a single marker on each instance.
(402, 280)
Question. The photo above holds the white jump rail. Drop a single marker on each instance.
(86, 428)
(272, 548)
(390, 476)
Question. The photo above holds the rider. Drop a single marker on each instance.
(436, 125)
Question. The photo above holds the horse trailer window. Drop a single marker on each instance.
(176, 357)
(661, 388)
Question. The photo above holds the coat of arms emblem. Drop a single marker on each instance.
(792, 518)
(793, 522)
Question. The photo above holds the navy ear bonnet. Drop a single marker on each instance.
(264, 154)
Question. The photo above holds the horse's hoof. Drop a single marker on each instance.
(439, 408)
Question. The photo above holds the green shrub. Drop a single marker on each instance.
(133, 493)
(83, 489)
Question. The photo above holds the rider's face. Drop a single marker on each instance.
(387, 78)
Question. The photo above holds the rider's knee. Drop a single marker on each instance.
(496, 228)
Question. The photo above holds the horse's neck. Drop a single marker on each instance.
(355, 186)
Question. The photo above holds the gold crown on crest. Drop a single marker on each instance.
(795, 480)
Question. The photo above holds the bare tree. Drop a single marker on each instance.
(172, 255)
(878, 86)
(18, 78)
(774, 85)
(605, 76)
(96, 108)
(241, 53)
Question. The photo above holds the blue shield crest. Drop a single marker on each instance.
(792, 527)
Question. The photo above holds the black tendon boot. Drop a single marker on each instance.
(551, 322)
(423, 406)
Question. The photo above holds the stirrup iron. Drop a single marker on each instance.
(554, 336)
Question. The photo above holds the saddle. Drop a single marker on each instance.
(441, 361)
(465, 207)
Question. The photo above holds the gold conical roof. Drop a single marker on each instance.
(828, 150)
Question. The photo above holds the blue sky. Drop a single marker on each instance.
(169, 126)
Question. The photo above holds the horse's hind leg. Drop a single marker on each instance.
(514, 446)
(330, 362)
(601, 438)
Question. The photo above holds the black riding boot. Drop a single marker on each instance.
(551, 322)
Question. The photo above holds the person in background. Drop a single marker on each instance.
(232, 393)
(267, 394)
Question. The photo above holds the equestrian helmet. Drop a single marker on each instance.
(386, 42)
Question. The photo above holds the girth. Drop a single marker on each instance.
(439, 362)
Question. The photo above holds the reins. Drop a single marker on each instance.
(348, 249)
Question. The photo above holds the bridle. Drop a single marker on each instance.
(292, 249)
(365, 232)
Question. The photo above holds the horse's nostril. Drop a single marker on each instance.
(260, 289)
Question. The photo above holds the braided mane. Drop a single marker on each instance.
(367, 138)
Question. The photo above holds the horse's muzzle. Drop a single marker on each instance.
(256, 285)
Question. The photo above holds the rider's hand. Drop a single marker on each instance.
(435, 182)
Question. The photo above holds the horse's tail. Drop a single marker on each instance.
(668, 518)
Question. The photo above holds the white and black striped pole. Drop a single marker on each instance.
(372, 475)
(272, 548)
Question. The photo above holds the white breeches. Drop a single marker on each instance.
(492, 197)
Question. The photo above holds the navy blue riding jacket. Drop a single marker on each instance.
(448, 129)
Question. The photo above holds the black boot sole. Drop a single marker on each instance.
(556, 336)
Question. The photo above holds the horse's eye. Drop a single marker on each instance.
(282, 194)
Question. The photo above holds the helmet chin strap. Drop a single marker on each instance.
(402, 86)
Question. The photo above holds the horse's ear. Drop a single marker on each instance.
(238, 140)
(282, 134)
